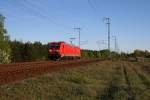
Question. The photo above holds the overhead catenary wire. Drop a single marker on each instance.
(5, 12)
(93, 8)
(36, 7)
(83, 42)
(38, 12)
(101, 42)
(30, 10)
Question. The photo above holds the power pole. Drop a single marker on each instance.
(108, 25)
(115, 39)
(115, 43)
(79, 30)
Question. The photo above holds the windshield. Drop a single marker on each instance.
(56, 46)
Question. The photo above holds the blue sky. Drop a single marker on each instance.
(53, 20)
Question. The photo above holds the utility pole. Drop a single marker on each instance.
(115, 39)
(108, 25)
(79, 30)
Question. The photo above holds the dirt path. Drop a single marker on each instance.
(127, 83)
(129, 89)
(119, 86)
(137, 80)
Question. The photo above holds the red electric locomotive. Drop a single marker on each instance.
(62, 50)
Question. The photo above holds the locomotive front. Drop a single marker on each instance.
(54, 50)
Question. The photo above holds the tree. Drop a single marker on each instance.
(4, 43)
(28, 51)
(141, 53)
(105, 53)
(147, 54)
(17, 49)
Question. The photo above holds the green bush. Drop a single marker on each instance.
(4, 43)
(4, 57)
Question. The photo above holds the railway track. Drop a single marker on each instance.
(15, 72)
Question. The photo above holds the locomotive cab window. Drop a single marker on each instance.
(55, 46)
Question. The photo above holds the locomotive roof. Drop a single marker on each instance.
(57, 42)
(62, 42)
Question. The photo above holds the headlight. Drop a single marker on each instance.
(57, 50)
(50, 50)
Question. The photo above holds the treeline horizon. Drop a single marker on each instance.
(36, 51)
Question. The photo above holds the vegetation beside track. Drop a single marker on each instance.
(105, 80)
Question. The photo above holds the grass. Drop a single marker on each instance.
(104, 80)
(139, 82)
